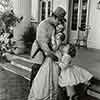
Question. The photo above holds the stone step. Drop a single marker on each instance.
(94, 91)
(22, 64)
(21, 61)
(16, 70)
(95, 88)
(24, 57)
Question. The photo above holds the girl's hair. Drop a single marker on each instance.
(72, 50)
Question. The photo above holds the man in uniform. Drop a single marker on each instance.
(43, 36)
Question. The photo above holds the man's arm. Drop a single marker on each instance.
(44, 40)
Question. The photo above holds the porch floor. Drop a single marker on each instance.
(15, 87)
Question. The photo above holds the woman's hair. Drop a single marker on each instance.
(72, 50)
(53, 15)
(62, 36)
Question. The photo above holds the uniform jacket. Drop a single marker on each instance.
(44, 32)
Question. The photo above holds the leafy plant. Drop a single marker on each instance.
(8, 20)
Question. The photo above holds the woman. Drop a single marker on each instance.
(45, 84)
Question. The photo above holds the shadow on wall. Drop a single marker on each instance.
(24, 45)
(30, 35)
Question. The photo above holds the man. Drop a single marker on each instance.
(44, 32)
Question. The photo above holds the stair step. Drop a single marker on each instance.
(16, 70)
(22, 64)
(93, 94)
(21, 61)
(21, 57)
(94, 91)
(95, 88)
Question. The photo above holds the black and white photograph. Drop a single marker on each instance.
(49, 50)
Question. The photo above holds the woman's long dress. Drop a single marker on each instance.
(45, 84)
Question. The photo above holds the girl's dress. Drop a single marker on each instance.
(72, 74)
(45, 84)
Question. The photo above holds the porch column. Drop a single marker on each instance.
(35, 10)
(21, 8)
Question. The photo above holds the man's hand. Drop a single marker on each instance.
(54, 57)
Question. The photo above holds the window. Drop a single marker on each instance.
(45, 9)
(43, 12)
(84, 13)
(49, 8)
(74, 15)
(79, 14)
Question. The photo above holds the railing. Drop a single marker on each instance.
(82, 36)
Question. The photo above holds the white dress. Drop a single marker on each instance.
(45, 84)
(72, 74)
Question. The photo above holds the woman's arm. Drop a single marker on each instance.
(44, 39)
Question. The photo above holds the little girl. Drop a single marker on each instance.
(71, 75)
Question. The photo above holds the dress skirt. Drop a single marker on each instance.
(45, 84)
(74, 75)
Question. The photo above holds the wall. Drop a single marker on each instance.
(35, 10)
(21, 8)
(94, 22)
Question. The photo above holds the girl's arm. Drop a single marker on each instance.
(66, 59)
(62, 65)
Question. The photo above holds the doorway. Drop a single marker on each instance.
(79, 12)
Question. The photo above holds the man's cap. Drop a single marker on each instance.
(60, 13)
